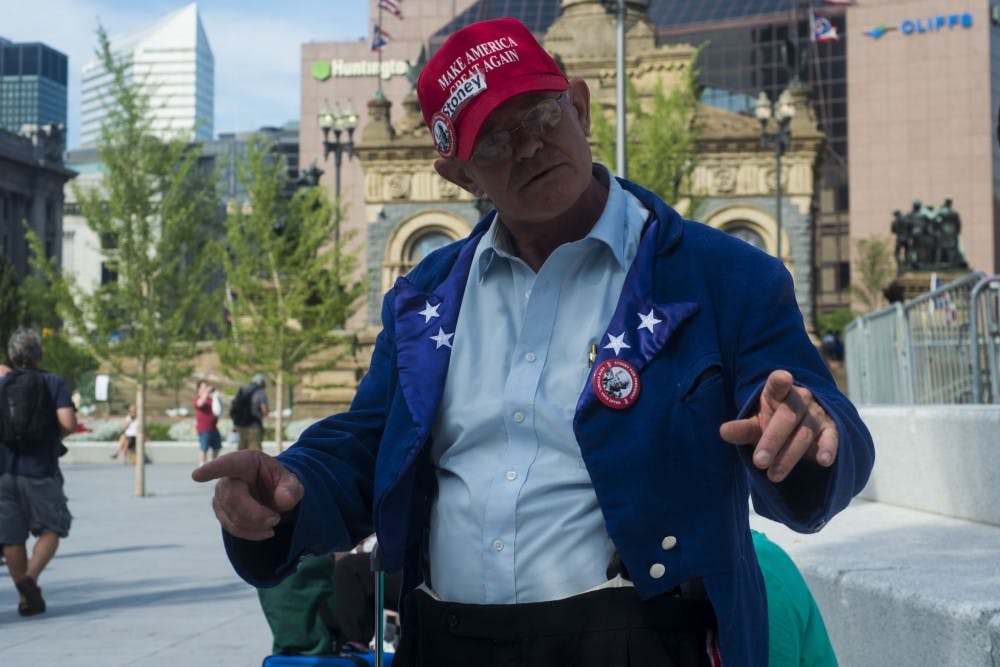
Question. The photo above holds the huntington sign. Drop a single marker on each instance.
(323, 69)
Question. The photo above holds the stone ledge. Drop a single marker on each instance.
(902, 587)
(936, 458)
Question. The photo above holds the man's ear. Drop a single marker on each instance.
(579, 97)
(454, 171)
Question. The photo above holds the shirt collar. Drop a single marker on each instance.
(621, 211)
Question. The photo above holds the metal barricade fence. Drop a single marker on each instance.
(984, 320)
(937, 348)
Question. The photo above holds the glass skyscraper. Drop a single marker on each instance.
(174, 61)
(32, 85)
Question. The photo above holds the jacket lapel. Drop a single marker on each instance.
(640, 326)
(425, 332)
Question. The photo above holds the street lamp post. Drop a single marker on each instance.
(617, 7)
(340, 120)
(781, 112)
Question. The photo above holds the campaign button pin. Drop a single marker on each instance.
(616, 383)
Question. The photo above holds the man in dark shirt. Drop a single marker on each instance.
(31, 485)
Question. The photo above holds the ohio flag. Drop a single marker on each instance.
(379, 38)
(823, 30)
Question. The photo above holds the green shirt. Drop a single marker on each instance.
(796, 635)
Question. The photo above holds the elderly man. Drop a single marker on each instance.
(566, 412)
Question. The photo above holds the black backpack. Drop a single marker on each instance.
(27, 410)
(240, 410)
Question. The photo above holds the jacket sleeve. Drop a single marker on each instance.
(771, 336)
(335, 461)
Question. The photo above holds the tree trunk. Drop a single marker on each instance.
(140, 438)
(279, 418)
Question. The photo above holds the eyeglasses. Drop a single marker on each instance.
(537, 121)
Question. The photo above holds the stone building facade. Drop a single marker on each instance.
(409, 208)
(32, 175)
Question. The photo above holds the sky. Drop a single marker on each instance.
(256, 44)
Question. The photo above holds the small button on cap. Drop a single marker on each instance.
(669, 542)
(657, 570)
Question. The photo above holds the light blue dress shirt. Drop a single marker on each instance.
(516, 518)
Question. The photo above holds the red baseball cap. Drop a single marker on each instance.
(476, 70)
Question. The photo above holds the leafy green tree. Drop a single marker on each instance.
(875, 268)
(662, 139)
(835, 321)
(290, 285)
(12, 305)
(64, 357)
(155, 211)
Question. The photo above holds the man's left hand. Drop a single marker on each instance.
(789, 426)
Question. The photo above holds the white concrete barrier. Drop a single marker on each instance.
(937, 458)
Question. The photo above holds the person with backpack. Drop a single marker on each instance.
(248, 410)
(36, 412)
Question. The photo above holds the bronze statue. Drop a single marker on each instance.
(927, 238)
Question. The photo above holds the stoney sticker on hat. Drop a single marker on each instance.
(444, 134)
(616, 383)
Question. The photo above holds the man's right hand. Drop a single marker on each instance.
(252, 492)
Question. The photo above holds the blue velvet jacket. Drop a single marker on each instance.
(659, 467)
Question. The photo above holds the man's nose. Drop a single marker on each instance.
(524, 144)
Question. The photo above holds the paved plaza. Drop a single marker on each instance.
(139, 581)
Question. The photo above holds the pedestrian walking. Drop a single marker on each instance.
(36, 412)
(248, 411)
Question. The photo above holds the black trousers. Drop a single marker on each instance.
(606, 628)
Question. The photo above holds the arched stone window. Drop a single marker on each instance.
(424, 244)
(754, 226)
(746, 233)
(417, 237)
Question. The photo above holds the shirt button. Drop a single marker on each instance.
(497, 545)
(519, 416)
(527, 294)
(669, 542)
(511, 475)
(657, 570)
(530, 357)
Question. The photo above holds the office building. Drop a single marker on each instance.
(924, 88)
(32, 85)
(905, 115)
(172, 58)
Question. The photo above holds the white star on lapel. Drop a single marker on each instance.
(429, 311)
(648, 321)
(442, 339)
(617, 343)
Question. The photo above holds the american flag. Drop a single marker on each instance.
(391, 6)
(379, 38)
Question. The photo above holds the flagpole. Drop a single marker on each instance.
(378, 93)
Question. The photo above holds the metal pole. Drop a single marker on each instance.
(620, 153)
(337, 152)
(777, 185)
